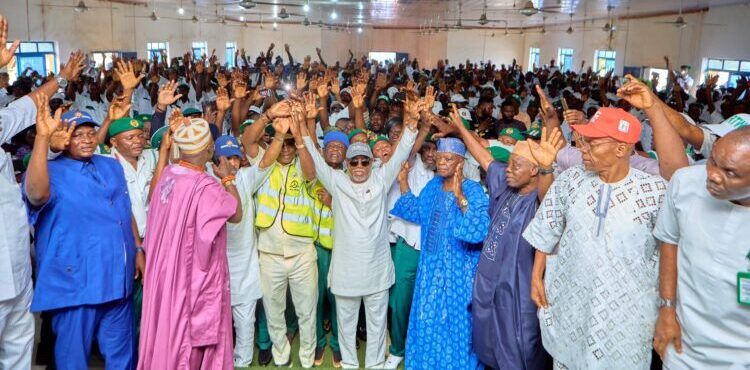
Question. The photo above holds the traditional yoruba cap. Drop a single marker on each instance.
(124, 124)
(193, 136)
(144, 117)
(355, 132)
(157, 137)
(611, 122)
(523, 149)
(337, 103)
(227, 146)
(730, 124)
(347, 90)
(451, 145)
(78, 117)
(335, 135)
(377, 139)
(534, 131)
(384, 97)
(512, 132)
(191, 111)
(358, 149)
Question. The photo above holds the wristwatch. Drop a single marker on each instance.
(61, 81)
(668, 303)
(546, 171)
(138, 249)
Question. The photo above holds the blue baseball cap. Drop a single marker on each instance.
(78, 117)
(227, 146)
(335, 135)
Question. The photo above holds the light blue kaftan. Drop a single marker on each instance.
(439, 334)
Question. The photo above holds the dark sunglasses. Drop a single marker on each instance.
(359, 162)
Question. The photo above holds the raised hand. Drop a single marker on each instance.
(546, 151)
(224, 169)
(200, 67)
(636, 93)
(6, 53)
(176, 119)
(73, 68)
(574, 117)
(335, 86)
(282, 125)
(222, 79)
(124, 71)
(223, 103)
(269, 80)
(301, 81)
(380, 82)
(458, 179)
(310, 107)
(403, 176)
(548, 111)
(119, 108)
(45, 123)
(239, 88)
(167, 95)
(279, 109)
(429, 97)
(323, 89)
(411, 111)
(358, 96)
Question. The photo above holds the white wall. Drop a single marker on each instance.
(638, 42)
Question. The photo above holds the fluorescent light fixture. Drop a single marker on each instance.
(334, 15)
(306, 8)
(180, 11)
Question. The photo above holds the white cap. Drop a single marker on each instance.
(458, 98)
(730, 124)
(465, 114)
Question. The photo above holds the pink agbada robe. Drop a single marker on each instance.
(186, 297)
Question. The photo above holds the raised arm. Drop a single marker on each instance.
(299, 121)
(120, 107)
(668, 143)
(37, 185)
(324, 173)
(476, 149)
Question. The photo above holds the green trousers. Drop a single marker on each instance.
(405, 260)
(263, 339)
(137, 309)
(326, 301)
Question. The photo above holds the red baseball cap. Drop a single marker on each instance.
(611, 122)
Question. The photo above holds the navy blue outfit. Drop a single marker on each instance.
(439, 333)
(85, 261)
(506, 329)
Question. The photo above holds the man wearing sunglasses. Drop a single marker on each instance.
(595, 224)
(361, 264)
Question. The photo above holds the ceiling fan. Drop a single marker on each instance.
(81, 7)
(249, 4)
(681, 23)
(529, 9)
(483, 20)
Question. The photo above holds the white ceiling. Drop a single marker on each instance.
(422, 13)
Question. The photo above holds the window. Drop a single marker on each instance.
(382, 56)
(199, 49)
(729, 71)
(39, 56)
(231, 48)
(604, 61)
(533, 58)
(565, 59)
(155, 48)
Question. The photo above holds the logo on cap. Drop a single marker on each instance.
(78, 115)
(508, 131)
(624, 126)
(133, 123)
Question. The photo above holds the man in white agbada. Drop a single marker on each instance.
(361, 265)
(702, 225)
(595, 224)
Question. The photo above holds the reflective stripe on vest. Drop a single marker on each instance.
(297, 212)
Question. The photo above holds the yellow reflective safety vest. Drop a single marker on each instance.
(289, 200)
(323, 218)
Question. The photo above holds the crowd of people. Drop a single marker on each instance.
(177, 213)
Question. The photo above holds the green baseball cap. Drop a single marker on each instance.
(512, 132)
(157, 137)
(124, 124)
(143, 117)
(499, 153)
(191, 111)
(376, 140)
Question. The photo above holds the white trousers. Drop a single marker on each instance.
(347, 314)
(300, 274)
(17, 331)
(244, 328)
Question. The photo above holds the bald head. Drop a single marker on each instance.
(728, 168)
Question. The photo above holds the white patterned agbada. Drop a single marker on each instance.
(601, 281)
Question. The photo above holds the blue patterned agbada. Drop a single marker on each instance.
(439, 334)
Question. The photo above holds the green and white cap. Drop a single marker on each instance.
(730, 124)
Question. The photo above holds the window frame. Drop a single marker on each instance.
(565, 59)
(535, 54)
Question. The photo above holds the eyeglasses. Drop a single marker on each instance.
(359, 162)
(582, 143)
